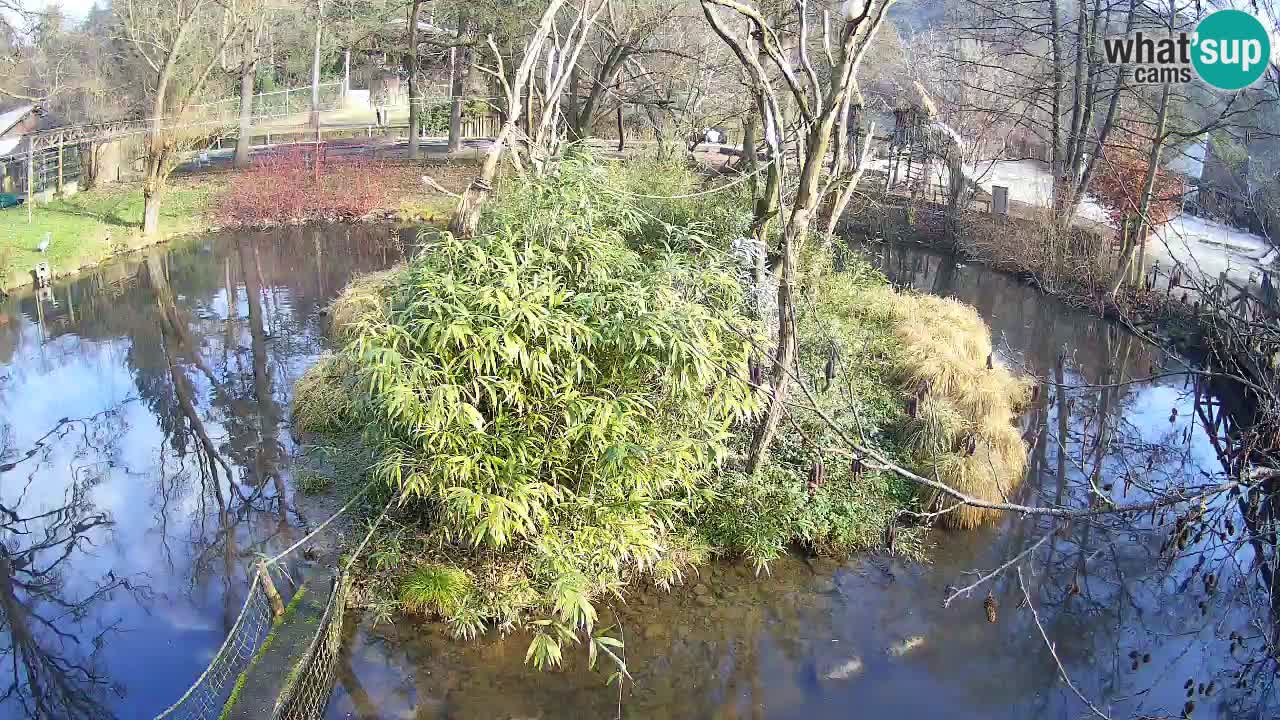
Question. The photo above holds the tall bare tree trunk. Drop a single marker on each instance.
(466, 217)
(244, 141)
(1104, 130)
(461, 71)
(622, 131)
(1055, 122)
(582, 122)
(157, 157)
(414, 101)
(806, 200)
(315, 71)
(572, 106)
(1144, 203)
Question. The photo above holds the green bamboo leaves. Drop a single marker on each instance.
(556, 399)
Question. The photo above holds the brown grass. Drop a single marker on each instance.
(322, 397)
(962, 429)
(364, 297)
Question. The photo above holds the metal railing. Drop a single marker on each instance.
(275, 104)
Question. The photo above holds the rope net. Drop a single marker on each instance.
(307, 690)
(206, 697)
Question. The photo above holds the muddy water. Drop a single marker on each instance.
(869, 637)
(144, 459)
(145, 462)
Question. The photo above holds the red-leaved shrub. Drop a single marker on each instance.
(1118, 187)
(294, 185)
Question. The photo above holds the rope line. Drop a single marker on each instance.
(235, 647)
(367, 537)
(244, 611)
(322, 525)
(718, 188)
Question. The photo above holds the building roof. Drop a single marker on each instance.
(13, 115)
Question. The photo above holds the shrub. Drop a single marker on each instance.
(555, 397)
(289, 186)
(962, 405)
(364, 298)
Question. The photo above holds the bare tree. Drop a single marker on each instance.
(250, 56)
(166, 35)
(460, 71)
(415, 101)
(466, 217)
(821, 101)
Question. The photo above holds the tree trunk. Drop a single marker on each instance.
(1104, 130)
(622, 133)
(807, 197)
(466, 217)
(1144, 204)
(783, 359)
(1055, 122)
(153, 182)
(582, 123)
(150, 211)
(572, 106)
(461, 71)
(315, 72)
(244, 141)
(1078, 97)
(414, 101)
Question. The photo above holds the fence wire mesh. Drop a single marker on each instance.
(307, 690)
(206, 697)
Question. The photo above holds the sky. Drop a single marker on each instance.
(73, 9)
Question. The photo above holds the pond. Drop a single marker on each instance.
(870, 637)
(144, 458)
(145, 463)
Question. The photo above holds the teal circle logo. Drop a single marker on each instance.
(1232, 49)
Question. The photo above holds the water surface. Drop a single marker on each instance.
(869, 637)
(144, 458)
(145, 463)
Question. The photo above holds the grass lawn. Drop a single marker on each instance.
(89, 227)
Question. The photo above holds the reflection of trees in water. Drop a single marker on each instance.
(51, 633)
(211, 335)
(1179, 584)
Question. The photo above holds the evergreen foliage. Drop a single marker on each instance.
(562, 403)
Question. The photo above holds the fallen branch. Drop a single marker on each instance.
(1054, 652)
(997, 571)
(433, 185)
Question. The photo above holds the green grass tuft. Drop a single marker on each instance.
(438, 590)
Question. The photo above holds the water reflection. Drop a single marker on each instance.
(870, 637)
(144, 458)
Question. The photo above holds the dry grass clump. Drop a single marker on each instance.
(961, 404)
(364, 297)
(322, 397)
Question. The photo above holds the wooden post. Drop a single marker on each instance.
(31, 179)
(269, 587)
(622, 135)
(346, 73)
(60, 148)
